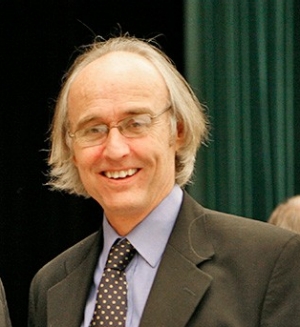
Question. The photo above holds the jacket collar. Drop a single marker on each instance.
(180, 285)
(177, 289)
(66, 300)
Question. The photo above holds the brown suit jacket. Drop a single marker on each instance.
(217, 270)
(4, 314)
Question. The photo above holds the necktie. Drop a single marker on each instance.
(111, 302)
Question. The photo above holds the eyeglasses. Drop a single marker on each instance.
(132, 127)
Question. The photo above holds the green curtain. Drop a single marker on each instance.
(239, 59)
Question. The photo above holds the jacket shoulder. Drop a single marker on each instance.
(60, 266)
(239, 232)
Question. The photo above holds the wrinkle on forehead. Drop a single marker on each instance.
(115, 67)
(121, 81)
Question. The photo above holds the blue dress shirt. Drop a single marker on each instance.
(149, 238)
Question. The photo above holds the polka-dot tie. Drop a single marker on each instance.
(111, 301)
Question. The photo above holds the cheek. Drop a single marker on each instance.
(163, 142)
(163, 153)
(84, 157)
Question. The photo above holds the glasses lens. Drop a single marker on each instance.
(133, 126)
(136, 125)
(90, 135)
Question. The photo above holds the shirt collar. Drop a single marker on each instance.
(151, 235)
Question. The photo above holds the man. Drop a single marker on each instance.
(125, 132)
(4, 314)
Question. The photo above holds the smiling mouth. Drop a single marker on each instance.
(121, 174)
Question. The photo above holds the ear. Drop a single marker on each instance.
(180, 135)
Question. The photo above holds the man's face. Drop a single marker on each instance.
(127, 176)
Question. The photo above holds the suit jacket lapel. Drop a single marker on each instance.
(67, 299)
(180, 284)
(177, 289)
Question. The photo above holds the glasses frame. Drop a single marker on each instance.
(119, 127)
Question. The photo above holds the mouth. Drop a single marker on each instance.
(121, 174)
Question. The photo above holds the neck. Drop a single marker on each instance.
(122, 225)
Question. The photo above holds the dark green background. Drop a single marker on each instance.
(242, 59)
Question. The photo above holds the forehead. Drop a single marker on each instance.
(116, 82)
(119, 66)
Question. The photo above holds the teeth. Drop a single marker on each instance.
(120, 174)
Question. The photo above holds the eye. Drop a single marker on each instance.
(94, 131)
(138, 122)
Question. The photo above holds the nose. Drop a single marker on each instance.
(115, 145)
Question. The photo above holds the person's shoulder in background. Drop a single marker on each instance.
(4, 313)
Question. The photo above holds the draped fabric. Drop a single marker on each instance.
(240, 62)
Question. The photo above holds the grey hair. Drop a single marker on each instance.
(287, 214)
(185, 107)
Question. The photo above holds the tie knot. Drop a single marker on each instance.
(120, 255)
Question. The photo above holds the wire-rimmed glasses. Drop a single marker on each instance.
(133, 126)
